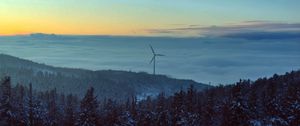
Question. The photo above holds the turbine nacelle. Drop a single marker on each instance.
(154, 56)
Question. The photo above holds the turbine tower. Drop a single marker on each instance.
(153, 60)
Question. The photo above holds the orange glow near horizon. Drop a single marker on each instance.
(134, 17)
(50, 26)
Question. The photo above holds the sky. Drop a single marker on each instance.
(148, 17)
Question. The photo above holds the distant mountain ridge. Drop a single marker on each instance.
(107, 83)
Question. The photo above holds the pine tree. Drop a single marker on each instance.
(36, 113)
(145, 118)
(133, 106)
(178, 109)
(148, 104)
(253, 105)
(271, 104)
(270, 100)
(111, 113)
(89, 109)
(208, 112)
(19, 108)
(192, 116)
(225, 111)
(292, 105)
(31, 116)
(191, 98)
(239, 112)
(161, 110)
(160, 106)
(6, 114)
(70, 111)
(53, 112)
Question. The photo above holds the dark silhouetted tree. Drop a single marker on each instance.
(88, 115)
(5, 103)
(70, 118)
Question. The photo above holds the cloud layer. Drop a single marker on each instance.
(215, 60)
(247, 30)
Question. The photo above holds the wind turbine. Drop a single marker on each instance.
(153, 60)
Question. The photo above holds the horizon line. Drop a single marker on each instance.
(108, 35)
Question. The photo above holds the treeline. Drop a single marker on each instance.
(266, 101)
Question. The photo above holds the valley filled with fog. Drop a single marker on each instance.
(215, 60)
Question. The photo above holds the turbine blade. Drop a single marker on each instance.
(152, 60)
(160, 55)
(152, 49)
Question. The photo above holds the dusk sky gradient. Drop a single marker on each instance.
(137, 17)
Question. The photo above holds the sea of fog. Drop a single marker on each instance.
(215, 60)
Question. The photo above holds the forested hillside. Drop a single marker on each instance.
(271, 101)
(107, 83)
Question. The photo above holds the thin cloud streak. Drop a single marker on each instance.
(265, 29)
